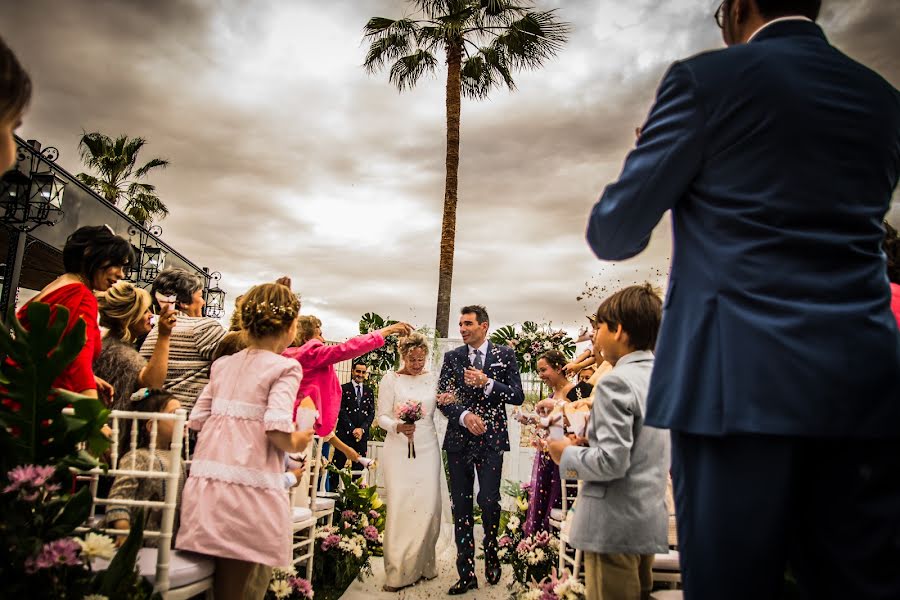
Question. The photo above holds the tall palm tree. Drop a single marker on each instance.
(483, 42)
(115, 161)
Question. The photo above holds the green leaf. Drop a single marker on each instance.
(120, 574)
(75, 513)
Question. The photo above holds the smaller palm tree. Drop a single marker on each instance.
(115, 162)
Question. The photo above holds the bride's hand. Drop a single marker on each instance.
(407, 429)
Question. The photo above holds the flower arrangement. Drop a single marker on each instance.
(384, 359)
(285, 585)
(532, 557)
(409, 412)
(345, 549)
(40, 555)
(553, 587)
(532, 341)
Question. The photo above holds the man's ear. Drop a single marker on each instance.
(619, 333)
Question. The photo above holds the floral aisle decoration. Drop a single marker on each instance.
(532, 341)
(533, 557)
(345, 549)
(40, 554)
(286, 585)
(564, 587)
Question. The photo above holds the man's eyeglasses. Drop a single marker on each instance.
(720, 14)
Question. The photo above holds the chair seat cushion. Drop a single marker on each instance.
(323, 504)
(301, 514)
(185, 568)
(667, 562)
(667, 595)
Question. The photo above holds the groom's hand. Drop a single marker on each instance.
(475, 377)
(474, 424)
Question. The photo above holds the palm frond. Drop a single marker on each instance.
(407, 71)
(530, 40)
(152, 164)
(434, 8)
(92, 147)
(484, 71)
(431, 37)
(384, 50)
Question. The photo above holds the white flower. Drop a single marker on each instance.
(513, 523)
(284, 572)
(95, 597)
(527, 357)
(281, 588)
(547, 345)
(536, 556)
(364, 522)
(95, 545)
(531, 595)
(502, 552)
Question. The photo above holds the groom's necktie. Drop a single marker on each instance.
(358, 394)
(479, 361)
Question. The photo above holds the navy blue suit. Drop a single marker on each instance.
(468, 455)
(778, 159)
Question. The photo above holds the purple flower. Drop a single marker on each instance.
(27, 476)
(303, 586)
(524, 547)
(370, 533)
(330, 542)
(63, 551)
(542, 538)
(373, 514)
(505, 541)
(348, 515)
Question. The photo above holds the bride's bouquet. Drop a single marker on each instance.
(409, 412)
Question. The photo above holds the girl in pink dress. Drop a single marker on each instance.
(235, 507)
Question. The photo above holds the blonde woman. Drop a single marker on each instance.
(125, 313)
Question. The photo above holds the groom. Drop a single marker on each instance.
(477, 381)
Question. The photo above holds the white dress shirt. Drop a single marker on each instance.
(779, 20)
(490, 383)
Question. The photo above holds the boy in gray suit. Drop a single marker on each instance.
(620, 517)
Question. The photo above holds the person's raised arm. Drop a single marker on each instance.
(153, 375)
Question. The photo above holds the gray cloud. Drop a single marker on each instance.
(288, 158)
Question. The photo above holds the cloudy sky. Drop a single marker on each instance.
(286, 157)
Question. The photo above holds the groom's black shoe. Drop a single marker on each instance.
(462, 586)
(492, 569)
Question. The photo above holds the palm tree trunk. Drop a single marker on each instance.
(448, 224)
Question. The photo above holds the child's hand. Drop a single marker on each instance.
(298, 473)
(556, 448)
(301, 439)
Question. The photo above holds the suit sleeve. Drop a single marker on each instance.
(445, 384)
(612, 419)
(511, 391)
(656, 173)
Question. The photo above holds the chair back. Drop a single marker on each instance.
(134, 422)
(305, 493)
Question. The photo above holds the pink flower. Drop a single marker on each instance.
(542, 538)
(63, 551)
(373, 514)
(348, 515)
(524, 547)
(27, 476)
(330, 542)
(303, 586)
(370, 533)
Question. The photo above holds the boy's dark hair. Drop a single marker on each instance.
(480, 312)
(154, 400)
(892, 250)
(772, 9)
(92, 248)
(15, 85)
(555, 358)
(638, 310)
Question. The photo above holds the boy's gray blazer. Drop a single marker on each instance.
(622, 504)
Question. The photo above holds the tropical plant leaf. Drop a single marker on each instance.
(73, 513)
(120, 575)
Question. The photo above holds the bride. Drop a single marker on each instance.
(412, 484)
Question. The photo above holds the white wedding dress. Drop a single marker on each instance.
(412, 485)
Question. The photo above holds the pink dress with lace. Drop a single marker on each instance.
(234, 502)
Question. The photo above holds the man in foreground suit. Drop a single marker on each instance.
(778, 361)
(355, 417)
(477, 381)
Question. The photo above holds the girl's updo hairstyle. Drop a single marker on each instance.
(554, 358)
(268, 309)
(411, 342)
(15, 85)
(121, 306)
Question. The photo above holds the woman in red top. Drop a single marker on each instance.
(95, 259)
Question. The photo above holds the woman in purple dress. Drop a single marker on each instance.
(546, 490)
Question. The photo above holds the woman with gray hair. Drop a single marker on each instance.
(194, 338)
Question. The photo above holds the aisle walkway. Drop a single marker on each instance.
(370, 589)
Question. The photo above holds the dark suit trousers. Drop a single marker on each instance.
(339, 459)
(748, 506)
(463, 466)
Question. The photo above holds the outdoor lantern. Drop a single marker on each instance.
(14, 189)
(46, 195)
(215, 302)
(28, 200)
(152, 262)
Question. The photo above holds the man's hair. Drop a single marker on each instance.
(772, 9)
(480, 312)
(359, 364)
(892, 251)
(638, 310)
(178, 282)
(15, 85)
(93, 248)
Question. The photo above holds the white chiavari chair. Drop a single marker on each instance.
(570, 558)
(175, 575)
(303, 529)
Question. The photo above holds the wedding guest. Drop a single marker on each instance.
(621, 520)
(15, 95)
(125, 313)
(777, 158)
(235, 505)
(585, 374)
(129, 487)
(194, 338)
(546, 489)
(892, 251)
(355, 417)
(95, 259)
(320, 382)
